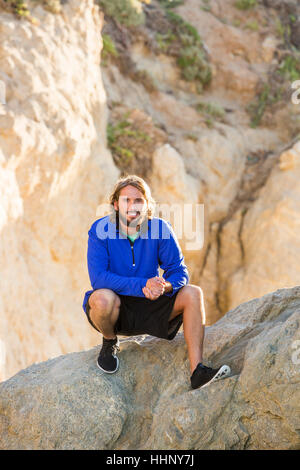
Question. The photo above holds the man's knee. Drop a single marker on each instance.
(192, 293)
(104, 301)
(194, 298)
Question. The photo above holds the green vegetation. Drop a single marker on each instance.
(132, 138)
(181, 41)
(206, 6)
(258, 107)
(245, 4)
(279, 28)
(236, 22)
(283, 31)
(127, 12)
(121, 138)
(21, 10)
(267, 97)
(168, 4)
(184, 42)
(289, 68)
(114, 132)
(279, 81)
(282, 73)
(252, 25)
(51, 5)
(109, 49)
(165, 40)
(191, 136)
(18, 7)
(213, 110)
(143, 77)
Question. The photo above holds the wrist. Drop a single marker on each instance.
(168, 287)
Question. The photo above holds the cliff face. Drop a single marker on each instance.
(56, 164)
(68, 403)
(224, 146)
(269, 236)
(54, 171)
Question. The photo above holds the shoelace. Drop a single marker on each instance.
(115, 348)
(109, 348)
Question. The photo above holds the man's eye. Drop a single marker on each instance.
(124, 199)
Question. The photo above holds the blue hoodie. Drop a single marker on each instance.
(120, 265)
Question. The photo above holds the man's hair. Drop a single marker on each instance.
(140, 184)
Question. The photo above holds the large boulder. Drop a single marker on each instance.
(68, 403)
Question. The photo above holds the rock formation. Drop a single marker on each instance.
(269, 234)
(68, 403)
(56, 167)
(54, 171)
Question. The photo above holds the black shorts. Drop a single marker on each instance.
(139, 315)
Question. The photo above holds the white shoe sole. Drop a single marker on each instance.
(109, 371)
(221, 374)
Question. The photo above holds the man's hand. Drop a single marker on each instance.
(148, 294)
(156, 285)
(154, 288)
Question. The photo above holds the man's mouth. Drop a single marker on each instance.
(133, 213)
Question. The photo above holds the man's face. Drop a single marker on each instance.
(132, 206)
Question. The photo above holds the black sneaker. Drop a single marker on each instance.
(107, 359)
(203, 375)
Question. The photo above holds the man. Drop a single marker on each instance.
(125, 250)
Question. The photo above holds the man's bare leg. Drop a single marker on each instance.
(104, 311)
(190, 302)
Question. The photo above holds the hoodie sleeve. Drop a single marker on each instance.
(101, 277)
(171, 259)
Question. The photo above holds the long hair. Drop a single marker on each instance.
(140, 184)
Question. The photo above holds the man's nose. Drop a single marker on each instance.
(131, 206)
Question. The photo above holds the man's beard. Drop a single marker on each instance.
(134, 222)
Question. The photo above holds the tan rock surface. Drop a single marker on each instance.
(54, 171)
(214, 158)
(208, 276)
(67, 403)
(232, 51)
(230, 257)
(55, 168)
(177, 193)
(270, 234)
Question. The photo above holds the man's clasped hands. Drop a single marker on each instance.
(154, 287)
